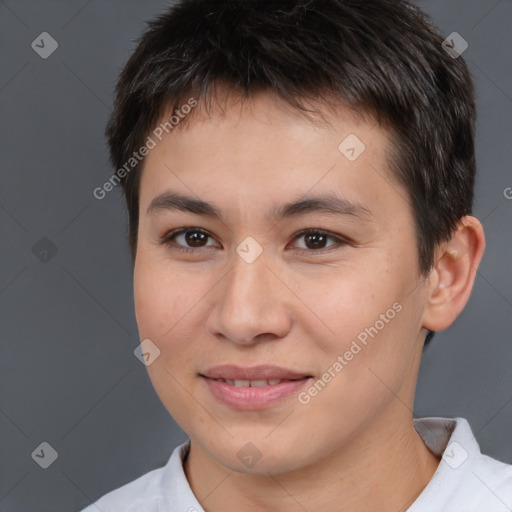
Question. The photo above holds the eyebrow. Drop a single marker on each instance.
(320, 203)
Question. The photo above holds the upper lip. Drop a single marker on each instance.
(261, 372)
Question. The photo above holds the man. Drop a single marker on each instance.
(299, 180)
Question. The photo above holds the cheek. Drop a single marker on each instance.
(346, 301)
(370, 319)
(170, 311)
(164, 307)
(162, 298)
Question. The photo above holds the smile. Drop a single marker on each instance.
(253, 394)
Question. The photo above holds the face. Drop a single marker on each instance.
(338, 309)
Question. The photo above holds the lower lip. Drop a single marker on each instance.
(249, 398)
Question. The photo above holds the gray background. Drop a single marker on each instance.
(68, 374)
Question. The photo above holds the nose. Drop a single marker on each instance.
(251, 304)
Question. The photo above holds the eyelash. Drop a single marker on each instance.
(167, 239)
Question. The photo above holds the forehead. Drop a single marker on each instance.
(262, 153)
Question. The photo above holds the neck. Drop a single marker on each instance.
(384, 468)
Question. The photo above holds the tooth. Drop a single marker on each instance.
(241, 383)
(273, 382)
(258, 383)
(230, 382)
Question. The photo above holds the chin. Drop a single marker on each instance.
(257, 457)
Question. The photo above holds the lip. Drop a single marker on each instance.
(253, 398)
(261, 372)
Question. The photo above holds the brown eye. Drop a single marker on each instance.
(193, 239)
(190, 238)
(316, 239)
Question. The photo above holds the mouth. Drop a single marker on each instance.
(242, 383)
(253, 388)
(268, 373)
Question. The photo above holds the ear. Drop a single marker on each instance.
(451, 280)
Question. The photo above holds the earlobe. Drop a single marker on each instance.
(452, 278)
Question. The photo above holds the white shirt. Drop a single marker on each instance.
(465, 480)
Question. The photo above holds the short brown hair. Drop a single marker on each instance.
(383, 58)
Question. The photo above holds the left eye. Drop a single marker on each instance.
(315, 239)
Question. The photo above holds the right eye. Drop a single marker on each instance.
(191, 235)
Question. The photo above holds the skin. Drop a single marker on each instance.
(353, 446)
